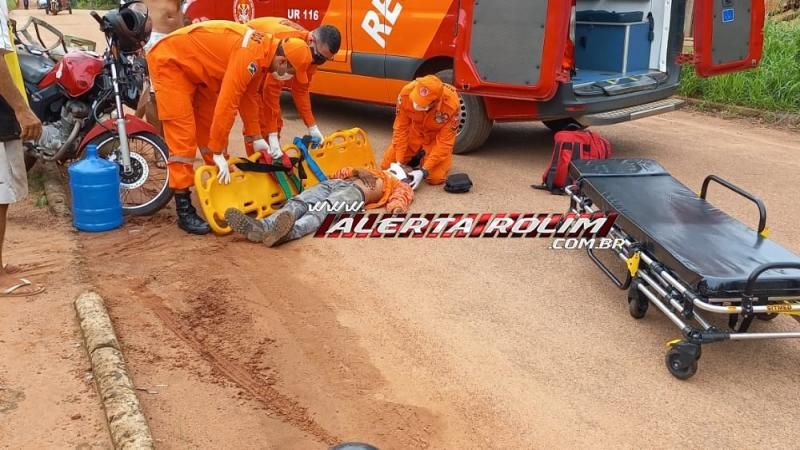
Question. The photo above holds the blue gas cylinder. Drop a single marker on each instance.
(95, 186)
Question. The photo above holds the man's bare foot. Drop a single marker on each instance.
(17, 287)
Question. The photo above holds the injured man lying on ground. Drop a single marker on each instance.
(342, 193)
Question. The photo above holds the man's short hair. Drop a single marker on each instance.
(330, 36)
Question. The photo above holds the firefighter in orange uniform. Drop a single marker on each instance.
(425, 129)
(324, 43)
(203, 74)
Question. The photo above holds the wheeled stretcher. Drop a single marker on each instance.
(685, 256)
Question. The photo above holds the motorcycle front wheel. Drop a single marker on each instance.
(145, 190)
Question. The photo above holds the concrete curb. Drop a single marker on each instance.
(57, 199)
(126, 422)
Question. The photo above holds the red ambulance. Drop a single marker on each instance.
(591, 62)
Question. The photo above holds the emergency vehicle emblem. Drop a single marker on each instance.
(243, 10)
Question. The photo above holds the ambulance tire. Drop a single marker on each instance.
(561, 124)
(475, 125)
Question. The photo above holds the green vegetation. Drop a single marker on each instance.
(76, 4)
(36, 180)
(36, 187)
(774, 85)
(95, 4)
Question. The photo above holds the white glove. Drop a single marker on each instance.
(416, 178)
(260, 144)
(314, 132)
(274, 146)
(224, 176)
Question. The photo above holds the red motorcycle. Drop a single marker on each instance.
(79, 97)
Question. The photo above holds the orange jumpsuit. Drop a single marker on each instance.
(203, 74)
(271, 121)
(433, 130)
(396, 194)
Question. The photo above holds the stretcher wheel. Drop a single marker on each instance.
(766, 316)
(682, 360)
(637, 303)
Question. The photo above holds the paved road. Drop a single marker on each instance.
(447, 343)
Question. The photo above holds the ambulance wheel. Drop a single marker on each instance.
(678, 367)
(475, 126)
(562, 124)
(637, 303)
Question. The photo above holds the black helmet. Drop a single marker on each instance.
(130, 25)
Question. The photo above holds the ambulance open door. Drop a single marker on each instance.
(511, 48)
(728, 35)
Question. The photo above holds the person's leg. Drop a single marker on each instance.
(344, 194)
(144, 99)
(390, 155)
(3, 213)
(295, 208)
(282, 226)
(151, 113)
(438, 173)
(175, 95)
(13, 188)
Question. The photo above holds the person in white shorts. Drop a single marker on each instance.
(167, 16)
(17, 123)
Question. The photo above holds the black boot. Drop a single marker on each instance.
(188, 220)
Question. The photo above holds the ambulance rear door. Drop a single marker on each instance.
(511, 48)
(728, 35)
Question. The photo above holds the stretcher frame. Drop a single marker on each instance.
(649, 281)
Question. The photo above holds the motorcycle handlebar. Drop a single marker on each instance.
(97, 17)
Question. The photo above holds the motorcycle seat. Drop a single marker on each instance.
(34, 67)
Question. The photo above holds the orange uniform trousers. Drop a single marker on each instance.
(187, 125)
(203, 75)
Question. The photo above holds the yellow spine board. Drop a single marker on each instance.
(260, 193)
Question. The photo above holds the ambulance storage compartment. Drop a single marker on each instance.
(612, 43)
(620, 45)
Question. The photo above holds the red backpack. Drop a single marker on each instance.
(572, 145)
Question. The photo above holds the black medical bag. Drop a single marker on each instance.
(458, 183)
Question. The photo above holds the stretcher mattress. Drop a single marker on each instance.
(708, 249)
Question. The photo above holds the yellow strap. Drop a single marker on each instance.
(633, 264)
(765, 233)
(13, 67)
(673, 342)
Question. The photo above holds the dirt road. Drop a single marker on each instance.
(433, 343)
